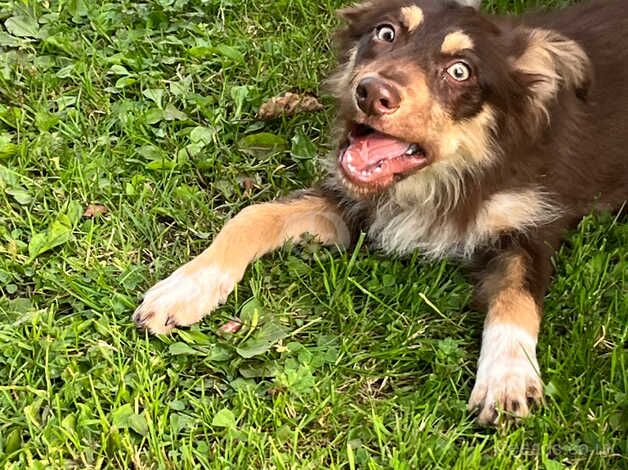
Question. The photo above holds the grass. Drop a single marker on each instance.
(348, 360)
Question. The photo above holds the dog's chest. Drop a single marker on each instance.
(437, 231)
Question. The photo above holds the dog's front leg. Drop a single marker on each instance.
(196, 288)
(508, 379)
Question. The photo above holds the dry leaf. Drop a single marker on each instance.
(288, 104)
(93, 210)
(232, 326)
(247, 183)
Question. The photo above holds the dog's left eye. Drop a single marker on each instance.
(459, 71)
(385, 32)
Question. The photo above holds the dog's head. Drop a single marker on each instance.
(434, 83)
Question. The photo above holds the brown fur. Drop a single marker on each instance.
(518, 154)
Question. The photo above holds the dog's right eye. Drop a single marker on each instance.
(385, 33)
(459, 71)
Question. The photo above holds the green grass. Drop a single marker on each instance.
(140, 106)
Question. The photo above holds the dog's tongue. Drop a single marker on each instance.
(375, 158)
(370, 149)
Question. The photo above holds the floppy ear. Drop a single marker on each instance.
(550, 63)
(353, 12)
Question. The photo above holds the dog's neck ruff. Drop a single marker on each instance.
(425, 214)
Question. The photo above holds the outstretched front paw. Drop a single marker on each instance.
(183, 298)
(508, 381)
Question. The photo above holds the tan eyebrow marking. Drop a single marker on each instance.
(455, 42)
(412, 17)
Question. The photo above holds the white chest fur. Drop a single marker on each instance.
(416, 219)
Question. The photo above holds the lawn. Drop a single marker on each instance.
(128, 136)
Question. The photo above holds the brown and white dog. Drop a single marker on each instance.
(460, 134)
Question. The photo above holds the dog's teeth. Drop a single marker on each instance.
(378, 169)
(414, 148)
(351, 168)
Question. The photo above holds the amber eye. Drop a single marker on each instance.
(385, 32)
(459, 71)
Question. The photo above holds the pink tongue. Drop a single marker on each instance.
(369, 149)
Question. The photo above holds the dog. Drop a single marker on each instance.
(463, 135)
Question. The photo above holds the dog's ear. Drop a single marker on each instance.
(349, 33)
(549, 63)
(353, 12)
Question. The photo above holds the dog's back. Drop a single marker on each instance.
(598, 167)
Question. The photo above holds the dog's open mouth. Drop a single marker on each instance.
(376, 160)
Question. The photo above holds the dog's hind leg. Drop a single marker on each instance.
(196, 288)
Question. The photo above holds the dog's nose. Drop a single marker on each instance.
(376, 97)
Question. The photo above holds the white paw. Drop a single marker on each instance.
(183, 298)
(508, 379)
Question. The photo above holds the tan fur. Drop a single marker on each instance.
(261, 228)
(412, 17)
(553, 60)
(515, 307)
(470, 139)
(515, 210)
(509, 301)
(456, 42)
